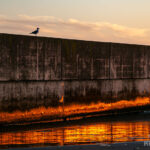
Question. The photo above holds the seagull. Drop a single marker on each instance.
(35, 32)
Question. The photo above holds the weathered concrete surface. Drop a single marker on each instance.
(27, 95)
(29, 58)
(39, 58)
(85, 60)
(105, 90)
(38, 71)
(129, 61)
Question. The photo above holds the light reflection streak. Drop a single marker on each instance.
(103, 132)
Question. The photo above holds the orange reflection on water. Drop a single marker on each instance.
(42, 112)
(105, 132)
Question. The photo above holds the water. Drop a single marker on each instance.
(90, 132)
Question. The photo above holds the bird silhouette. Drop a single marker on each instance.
(35, 32)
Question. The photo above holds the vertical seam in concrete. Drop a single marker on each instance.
(17, 76)
(146, 53)
(109, 61)
(37, 61)
(121, 67)
(133, 64)
(61, 60)
(44, 63)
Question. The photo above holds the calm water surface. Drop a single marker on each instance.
(97, 132)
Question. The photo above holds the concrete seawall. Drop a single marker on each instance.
(38, 71)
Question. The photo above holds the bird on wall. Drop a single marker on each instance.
(35, 32)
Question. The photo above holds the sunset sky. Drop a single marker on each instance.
(125, 21)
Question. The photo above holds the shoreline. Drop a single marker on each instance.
(143, 145)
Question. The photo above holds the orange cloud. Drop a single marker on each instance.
(73, 28)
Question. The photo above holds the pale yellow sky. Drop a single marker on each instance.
(122, 21)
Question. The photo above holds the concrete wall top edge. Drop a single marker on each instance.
(59, 38)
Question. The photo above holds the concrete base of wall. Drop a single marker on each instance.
(33, 94)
